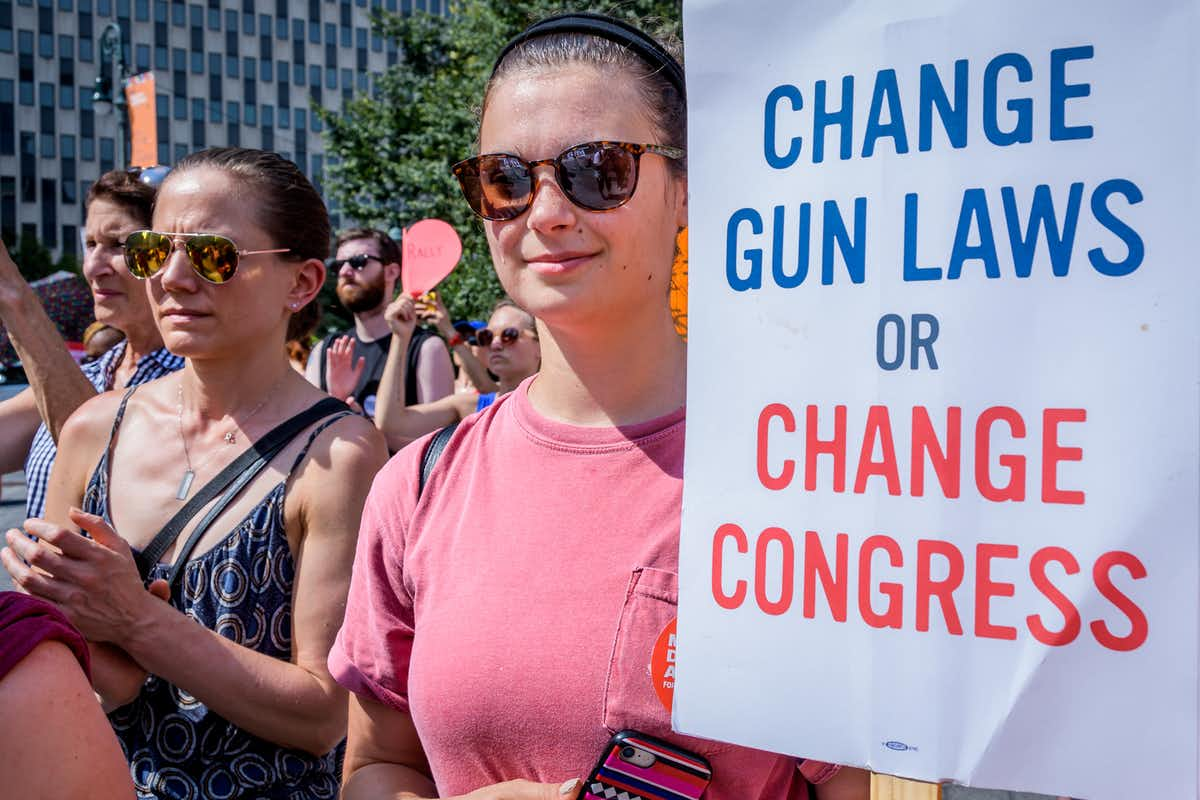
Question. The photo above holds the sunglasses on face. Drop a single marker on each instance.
(213, 257)
(356, 262)
(485, 336)
(598, 176)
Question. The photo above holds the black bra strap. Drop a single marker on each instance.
(257, 456)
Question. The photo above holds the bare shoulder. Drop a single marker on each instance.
(351, 447)
(432, 344)
(89, 426)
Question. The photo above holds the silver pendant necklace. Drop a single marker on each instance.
(230, 437)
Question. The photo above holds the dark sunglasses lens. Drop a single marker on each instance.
(598, 176)
(505, 186)
(509, 335)
(484, 337)
(358, 261)
(146, 252)
(214, 258)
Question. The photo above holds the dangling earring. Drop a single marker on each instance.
(679, 284)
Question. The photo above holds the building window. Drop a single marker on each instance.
(250, 66)
(314, 75)
(281, 27)
(160, 11)
(232, 112)
(281, 69)
(178, 13)
(49, 213)
(265, 48)
(8, 119)
(213, 19)
(8, 210)
(141, 10)
(164, 152)
(28, 167)
(231, 67)
(283, 97)
(298, 74)
(264, 70)
(268, 117)
(107, 154)
(330, 37)
(233, 135)
(301, 120)
(250, 114)
(231, 42)
(181, 151)
(70, 241)
(249, 89)
(248, 20)
(231, 20)
(195, 15)
(284, 118)
(268, 138)
(142, 59)
(330, 77)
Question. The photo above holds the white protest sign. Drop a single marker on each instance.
(941, 489)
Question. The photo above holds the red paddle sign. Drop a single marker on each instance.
(431, 249)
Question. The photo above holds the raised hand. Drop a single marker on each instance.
(342, 370)
(401, 316)
(435, 312)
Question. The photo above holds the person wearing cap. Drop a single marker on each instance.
(118, 204)
(367, 265)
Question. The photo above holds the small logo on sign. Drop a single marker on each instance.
(899, 747)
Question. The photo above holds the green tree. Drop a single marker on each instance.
(392, 150)
(33, 259)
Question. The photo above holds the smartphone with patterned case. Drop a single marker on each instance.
(635, 766)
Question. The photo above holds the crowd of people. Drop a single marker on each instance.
(268, 605)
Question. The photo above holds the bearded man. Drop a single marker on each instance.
(367, 265)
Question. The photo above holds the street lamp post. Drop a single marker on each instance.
(110, 84)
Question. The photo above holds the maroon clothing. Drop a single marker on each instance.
(26, 622)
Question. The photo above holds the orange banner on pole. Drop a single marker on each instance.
(143, 122)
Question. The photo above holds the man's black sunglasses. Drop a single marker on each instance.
(356, 262)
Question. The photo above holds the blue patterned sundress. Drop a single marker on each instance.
(242, 588)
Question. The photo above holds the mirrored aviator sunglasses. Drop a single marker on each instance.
(213, 257)
(597, 176)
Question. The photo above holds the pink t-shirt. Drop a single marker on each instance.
(513, 610)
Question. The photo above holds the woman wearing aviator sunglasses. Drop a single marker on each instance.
(507, 610)
(513, 354)
(242, 703)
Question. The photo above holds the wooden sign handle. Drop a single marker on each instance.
(887, 787)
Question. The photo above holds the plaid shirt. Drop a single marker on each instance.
(100, 372)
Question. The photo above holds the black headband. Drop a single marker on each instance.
(604, 27)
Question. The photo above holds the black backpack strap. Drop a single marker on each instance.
(238, 473)
(433, 451)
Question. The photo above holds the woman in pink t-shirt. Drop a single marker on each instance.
(502, 620)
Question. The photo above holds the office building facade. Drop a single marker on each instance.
(227, 72)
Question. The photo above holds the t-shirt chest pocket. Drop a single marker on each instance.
(631, 701)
